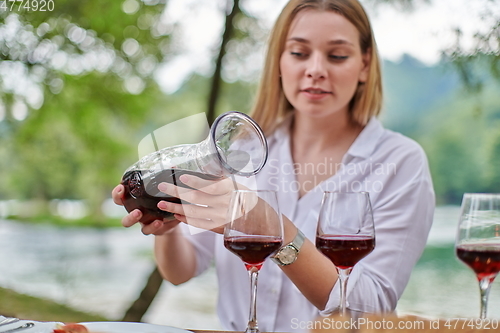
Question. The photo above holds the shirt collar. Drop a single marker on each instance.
(367, 140)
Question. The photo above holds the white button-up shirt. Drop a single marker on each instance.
(388, 165)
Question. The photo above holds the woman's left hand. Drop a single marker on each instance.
(206, 204)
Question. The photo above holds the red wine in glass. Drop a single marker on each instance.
(478, 240)
(345, 251)
(141, 192)
(254, 230)
(484, 259)
(253, 250)
(345, 234)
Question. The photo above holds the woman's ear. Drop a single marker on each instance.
(365, 69)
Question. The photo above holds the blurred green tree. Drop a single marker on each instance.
(78, 143)
(75, 81)
(462, 144)
(454, 167)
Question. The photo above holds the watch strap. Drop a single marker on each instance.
(298, 240)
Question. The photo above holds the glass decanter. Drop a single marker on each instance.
(235, 145)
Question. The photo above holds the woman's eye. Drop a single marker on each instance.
(297, 54)
(337, 57)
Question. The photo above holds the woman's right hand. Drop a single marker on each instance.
(157, 227)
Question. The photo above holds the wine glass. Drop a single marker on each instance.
(345, 233)
(478, 239)
(254, 231)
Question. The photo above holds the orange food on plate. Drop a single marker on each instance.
(70, 328)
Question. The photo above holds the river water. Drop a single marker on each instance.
(102, 271)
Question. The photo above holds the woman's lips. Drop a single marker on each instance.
(314, 93)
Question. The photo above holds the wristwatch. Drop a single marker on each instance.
(289, 253)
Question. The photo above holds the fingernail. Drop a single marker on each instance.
(184, 178)
(137, 214)
(162, 187)
(162, 205)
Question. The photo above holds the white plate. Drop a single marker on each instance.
(124, 327)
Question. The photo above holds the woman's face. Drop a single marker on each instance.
(322, 63)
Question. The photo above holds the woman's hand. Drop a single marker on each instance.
(206, 204)
(157, 227)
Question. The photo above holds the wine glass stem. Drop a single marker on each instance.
(343, 278)
(252, 320)
(484, 288)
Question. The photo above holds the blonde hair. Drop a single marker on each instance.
(271, 105)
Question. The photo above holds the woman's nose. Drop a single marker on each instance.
(316, 68)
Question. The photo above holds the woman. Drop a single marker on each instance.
(318, 98)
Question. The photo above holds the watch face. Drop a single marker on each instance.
(287, 255)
